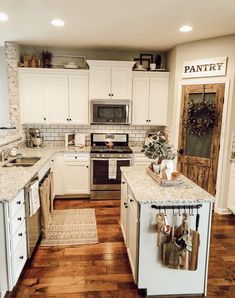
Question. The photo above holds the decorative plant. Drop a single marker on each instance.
(158, 147)
(201, 117)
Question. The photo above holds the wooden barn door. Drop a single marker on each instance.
(198, 159)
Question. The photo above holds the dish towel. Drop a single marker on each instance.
(112, 169)
(34, 201)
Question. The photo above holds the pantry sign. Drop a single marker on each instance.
(211, 67)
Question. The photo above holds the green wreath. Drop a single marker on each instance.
(201, 117)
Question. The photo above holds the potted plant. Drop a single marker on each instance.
(161, 152)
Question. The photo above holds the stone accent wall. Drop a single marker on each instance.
(57, 133)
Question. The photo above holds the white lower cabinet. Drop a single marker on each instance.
(133, 235)
(13, 242)
(231, 191)
(139, 159)
(72, 174)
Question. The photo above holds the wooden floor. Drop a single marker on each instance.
(102, 270)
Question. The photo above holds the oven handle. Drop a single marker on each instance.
(128, 159)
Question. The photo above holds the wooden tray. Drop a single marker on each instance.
(164, 182)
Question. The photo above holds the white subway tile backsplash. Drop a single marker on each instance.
(56, 132)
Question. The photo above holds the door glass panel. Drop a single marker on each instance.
(199, 146)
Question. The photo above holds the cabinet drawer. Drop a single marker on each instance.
(18, 220)
(133, 203)
(18, 236)
(77, 157)
(19, 258)
(16, 204)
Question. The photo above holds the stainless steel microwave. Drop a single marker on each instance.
(110, 111)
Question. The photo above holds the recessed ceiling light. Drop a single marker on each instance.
(3, 17)
(185, 28)
(57, 22)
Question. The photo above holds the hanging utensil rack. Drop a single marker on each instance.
(175, 207)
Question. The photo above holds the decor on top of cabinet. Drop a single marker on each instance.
(163, 153)
(179, 245)
(146, 62)
(29, 61)
(46, 59)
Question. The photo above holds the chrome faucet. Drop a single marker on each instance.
(5, 154)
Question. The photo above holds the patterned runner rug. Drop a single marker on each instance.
(71, 227)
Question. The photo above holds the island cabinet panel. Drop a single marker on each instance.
(153, 275)
(123, 209)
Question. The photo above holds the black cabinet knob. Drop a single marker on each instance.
(123, 182)
(76, 157)
(131, 200)
(21, 257)
(126, 206)
(20, 234)
(45, 118)
(19, 218)
(149, 120)
(18, 202)
(87, 167)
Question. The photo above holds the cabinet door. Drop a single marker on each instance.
(158, 97)
(121, 83)
(140, 100)
(133, 237)
(231, 197)
(123, 209)
(57, 98)
(58, 176)
(78, 99)
(76, 178)
(100, 77)
(33, 101)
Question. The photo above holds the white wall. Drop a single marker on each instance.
(4, 101)
(215, 47)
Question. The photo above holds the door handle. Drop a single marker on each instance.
(181, 151)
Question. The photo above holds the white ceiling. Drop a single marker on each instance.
(140, 24)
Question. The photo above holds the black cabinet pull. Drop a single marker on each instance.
(109, 94)
(19, 218)
(112, 94)
(131, 200)
(18, 202)
(87, 167)
(45, 118)
(123, 182)
(20, 234)
(70, 119)
(76, 157)
(149, 120)
(126, 206)
(21, 257)
(67, 119)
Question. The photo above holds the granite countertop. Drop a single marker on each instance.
(146, 190)
(13, 179)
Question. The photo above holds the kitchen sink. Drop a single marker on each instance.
(22, 162)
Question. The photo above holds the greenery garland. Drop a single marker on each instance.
(201, 117)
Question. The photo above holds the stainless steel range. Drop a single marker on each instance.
(109, 152)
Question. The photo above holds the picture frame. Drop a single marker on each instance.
(144, 62)
(147, 56)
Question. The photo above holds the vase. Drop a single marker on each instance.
(156, 167)
(168, 166)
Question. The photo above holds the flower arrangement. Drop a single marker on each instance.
(159, 148)
(201, 117)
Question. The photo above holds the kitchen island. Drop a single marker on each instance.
(142, 199)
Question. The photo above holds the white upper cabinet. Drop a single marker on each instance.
(140, 97)
(100, 77)
(78, 99)
(33, 101)
(158, 98)
(150, 98)
(54, 96)
(57, 98)
(110, 79)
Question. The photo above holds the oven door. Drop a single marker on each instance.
(114, 112)
(100, 176)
